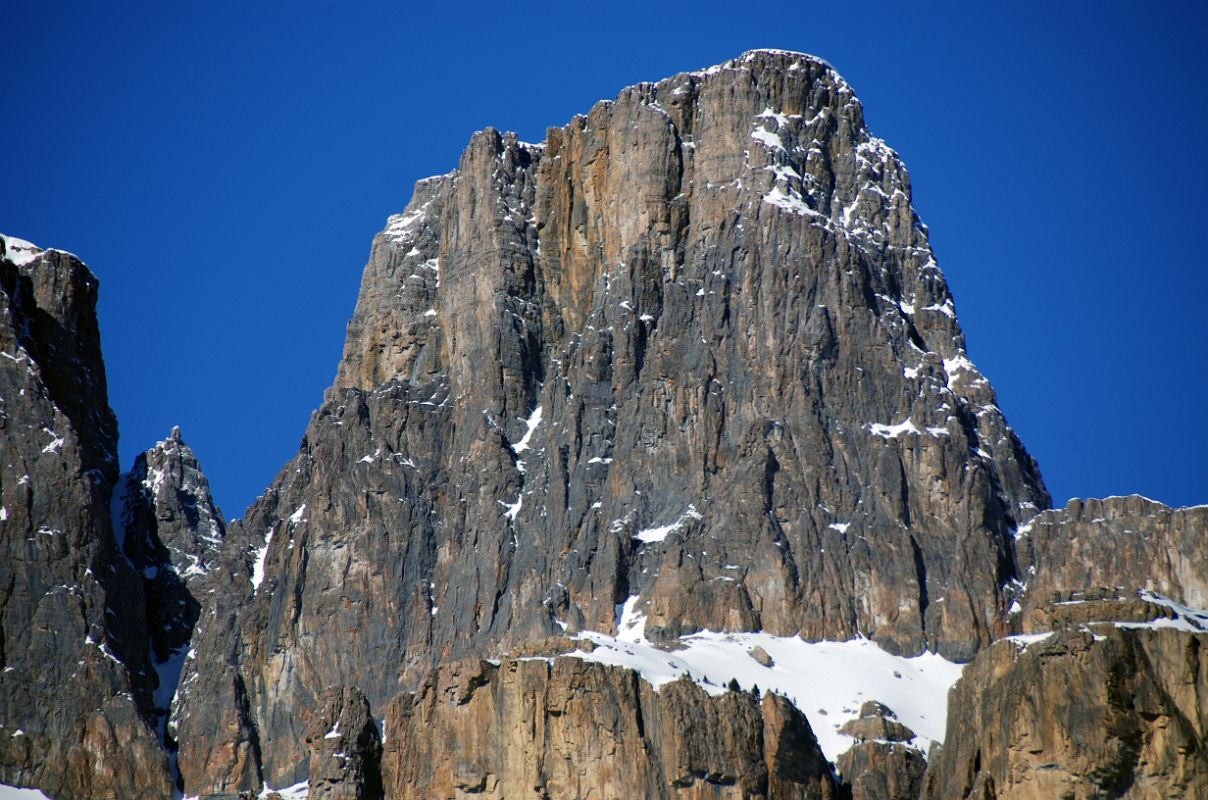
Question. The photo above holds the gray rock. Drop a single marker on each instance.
(876, 722)
(755, 412)
(75, 686)
(878, 770)
(761, 656)
(170, 531)
(345, 749)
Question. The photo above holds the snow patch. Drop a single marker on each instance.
(511, 510)
(19, 793)
(1025, 640)
(767, 138)
(296, 517)
(531, 425)
(631, 623)
(945, 308)
(19, 251)
(789, 202)
(827, 681)
(1189, 620)
(906, 426)
(660, 533)
(56, 444)
(958, 364)
(298, 791)
(258, 566)
(768, 113)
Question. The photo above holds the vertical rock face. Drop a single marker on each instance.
(882, 764)
(694, 348)
(345, 749)
(1120, 543)
(170, 531)
(74, 690)
(1119, 713)
(565, 728)
(211, 719)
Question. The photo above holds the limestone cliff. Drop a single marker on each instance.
(75, 697)
(693, 349)
(1117, 713)
(567, 728)
(1122, 544)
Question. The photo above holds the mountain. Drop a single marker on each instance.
(629, 424)
(76, 681)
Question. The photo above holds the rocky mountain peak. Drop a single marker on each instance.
(688, 364)
(74, 688)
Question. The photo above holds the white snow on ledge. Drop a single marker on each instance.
(20, 252)
(258, 564)
(826, 681)
(298, 791)
(906, 426)
(1188, 620)
(660, 533)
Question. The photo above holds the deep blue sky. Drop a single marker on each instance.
(223, 168)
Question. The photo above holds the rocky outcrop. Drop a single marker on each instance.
(566, 728)
(211, 716)
(171, 532)
(694, 349)
(877, 723)
(75, 692)
(881, 770)
(883, 764)
(1113, 546)
(1120, 713)
(345, 749)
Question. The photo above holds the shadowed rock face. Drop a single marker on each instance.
(171, 533)
(345, 749)
(75, 696)
(693, 348)
(1074, 717)
(880, 770)
(566, 728)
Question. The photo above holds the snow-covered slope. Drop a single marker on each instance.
(827, 681)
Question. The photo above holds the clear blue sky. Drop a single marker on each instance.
(223, 168)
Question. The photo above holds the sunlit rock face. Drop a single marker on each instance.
(1113, 712)
(693, 349)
